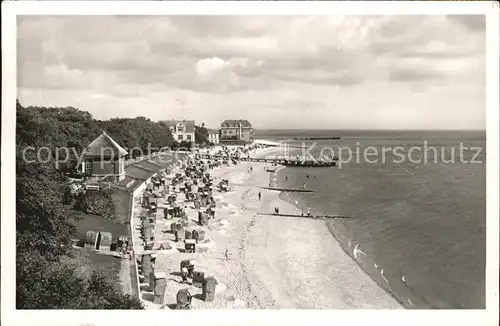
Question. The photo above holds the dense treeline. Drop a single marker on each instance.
(43, 222)
(72, 128)
(139, 133)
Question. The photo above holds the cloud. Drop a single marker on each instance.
(475, 23)
(210, 66)
(412, 74)
(278, 59)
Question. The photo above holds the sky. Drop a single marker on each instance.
(278, 72)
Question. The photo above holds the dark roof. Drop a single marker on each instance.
(162, 164)
(137, 172)
(145, 169)
(213, 131)
(188, 123)
(135, 185)
(148, 165)
(106, 143)
(125, 181)
(128, 182)
(236, 123)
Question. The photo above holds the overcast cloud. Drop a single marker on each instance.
(278, 72)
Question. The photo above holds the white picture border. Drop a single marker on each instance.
(10, 316)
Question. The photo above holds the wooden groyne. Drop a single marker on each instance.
(288, 189)
(318, 138)
(314, 217)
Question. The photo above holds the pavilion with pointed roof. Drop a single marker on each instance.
(104, 159)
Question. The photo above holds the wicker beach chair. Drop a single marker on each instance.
(184, 298)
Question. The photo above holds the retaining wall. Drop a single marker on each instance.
(134, 270)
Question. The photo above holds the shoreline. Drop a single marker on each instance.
(329, 225)
(266, 261)
(379, 297)
(402, 301)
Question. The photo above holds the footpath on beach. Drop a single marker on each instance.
(258, 261)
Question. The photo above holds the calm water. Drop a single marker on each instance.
(423, 221)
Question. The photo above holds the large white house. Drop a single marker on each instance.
(236, 130)
(182, 130)
(213, 136)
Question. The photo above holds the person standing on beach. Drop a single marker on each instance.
(260, 195)
(131, 254)
(184, 274)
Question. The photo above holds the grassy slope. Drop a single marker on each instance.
(90, 261)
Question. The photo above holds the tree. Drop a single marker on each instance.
(110, 298)
(201, 134)
(61, 287)
(44, 228)
(43, 223)
(185, 145)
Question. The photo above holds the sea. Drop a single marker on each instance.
(416, 214)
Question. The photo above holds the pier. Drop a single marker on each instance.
(281, 161)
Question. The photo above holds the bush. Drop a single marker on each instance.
(58, 286)
(185, 145)
(71, 192)
(96, 203)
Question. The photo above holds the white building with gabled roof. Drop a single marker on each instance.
(181, 130)
(105, 159)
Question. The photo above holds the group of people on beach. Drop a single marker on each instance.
(127, 251)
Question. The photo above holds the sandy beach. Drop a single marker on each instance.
(263, 261)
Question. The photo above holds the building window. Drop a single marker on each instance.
(88, 167)
(179, 137)
(188, 137)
